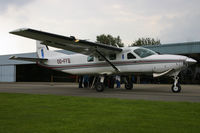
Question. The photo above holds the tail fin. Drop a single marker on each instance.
(44, 52)
(41, 50)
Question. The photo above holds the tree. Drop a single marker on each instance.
(110, 40)
(146, 41)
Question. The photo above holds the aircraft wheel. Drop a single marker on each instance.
(99, 87)
(129, 86)
(176, 89)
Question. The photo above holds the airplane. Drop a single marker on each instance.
(98, 59)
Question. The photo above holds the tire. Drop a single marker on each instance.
(99, 87)
(129, 86)
(176, 89)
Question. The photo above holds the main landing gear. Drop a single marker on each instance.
(128, 83)
(129, 86)
(99, 85)
(176, 87)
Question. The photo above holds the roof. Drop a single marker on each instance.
(176, 48)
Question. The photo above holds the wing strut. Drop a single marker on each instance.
(110, 63)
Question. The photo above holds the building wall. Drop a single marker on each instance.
(7, 73)
(176, 48)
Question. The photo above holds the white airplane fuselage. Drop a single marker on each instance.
(78, 63)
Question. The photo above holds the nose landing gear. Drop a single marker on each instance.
(176, 87)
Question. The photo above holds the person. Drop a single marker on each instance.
(80, 81)
(91, 78)
(112, 82)
(86, 81)
(117, 81)
(133, 79)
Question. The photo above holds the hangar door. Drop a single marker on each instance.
(7, 73)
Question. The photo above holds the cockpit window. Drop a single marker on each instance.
(142, 52)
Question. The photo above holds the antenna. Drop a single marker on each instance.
(117, 45)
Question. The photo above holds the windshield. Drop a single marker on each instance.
(142, 52)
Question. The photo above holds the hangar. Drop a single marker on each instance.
(22, 71)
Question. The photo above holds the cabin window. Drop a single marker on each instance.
(100, 58)
(112, 56)
(90, 59)
(130, 56)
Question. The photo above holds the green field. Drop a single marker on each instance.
(25, 113)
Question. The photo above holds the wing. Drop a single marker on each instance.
(67, 43)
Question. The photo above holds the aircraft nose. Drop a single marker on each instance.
(190, 61)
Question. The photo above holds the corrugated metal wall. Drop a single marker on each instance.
(176, 48)
(7, 73)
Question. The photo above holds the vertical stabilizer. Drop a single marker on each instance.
(44, 52)
(41, 50)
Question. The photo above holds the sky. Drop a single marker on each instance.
(171, 21)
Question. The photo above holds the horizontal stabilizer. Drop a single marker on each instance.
(28, 59)
(162, 73)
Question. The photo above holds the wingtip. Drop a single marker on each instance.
(18, 30)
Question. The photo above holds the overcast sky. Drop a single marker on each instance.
(171, 21)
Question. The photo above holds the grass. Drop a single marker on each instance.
(26, 113)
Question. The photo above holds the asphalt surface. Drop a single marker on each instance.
(155, 92)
